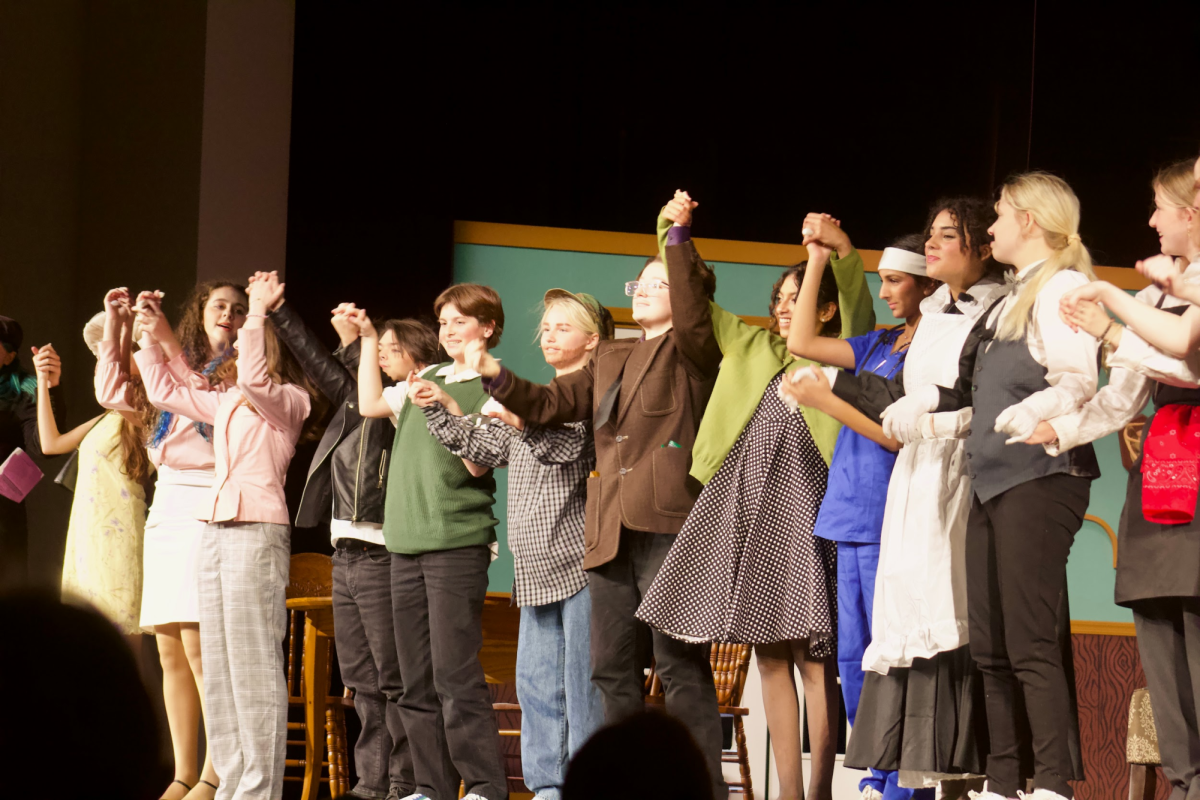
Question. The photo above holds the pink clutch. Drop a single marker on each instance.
(18, 475)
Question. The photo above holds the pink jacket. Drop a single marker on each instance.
(183, 448)
(255, 428)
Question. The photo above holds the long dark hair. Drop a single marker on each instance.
(827, 293)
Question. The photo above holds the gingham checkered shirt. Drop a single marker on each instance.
(547, 494)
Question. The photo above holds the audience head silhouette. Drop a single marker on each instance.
(648, 755)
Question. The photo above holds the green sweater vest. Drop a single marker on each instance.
(432, 501)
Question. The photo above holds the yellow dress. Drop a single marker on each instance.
(102, 565)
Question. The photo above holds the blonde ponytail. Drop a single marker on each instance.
(1055, 208)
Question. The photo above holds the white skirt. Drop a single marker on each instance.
(171, 547)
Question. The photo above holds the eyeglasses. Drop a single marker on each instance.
(649, 287)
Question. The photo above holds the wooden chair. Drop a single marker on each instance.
(1141, 747)
(730, 663)
(309, 667)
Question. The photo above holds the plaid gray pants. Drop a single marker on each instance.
(243, 576)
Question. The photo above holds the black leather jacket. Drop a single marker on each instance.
(348, 475)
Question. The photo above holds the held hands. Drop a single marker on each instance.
(806, 387)
(1089, 317)
(1095, 292)
(347, 329)
(264, 291)
(117, 308)
(423, 393)
(349, 314)
(477, 357)
(496, 411)
(1020, 422)
(47, 364)
(1043, 434)
(151, 320)
(679, 209)
(824, 235)
(901, 420)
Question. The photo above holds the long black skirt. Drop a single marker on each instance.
(928, 719)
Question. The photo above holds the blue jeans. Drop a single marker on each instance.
(856, 565)
(560, 708)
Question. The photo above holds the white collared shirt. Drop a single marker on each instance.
(1068, 356)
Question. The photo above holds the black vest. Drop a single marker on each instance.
(1005, 374)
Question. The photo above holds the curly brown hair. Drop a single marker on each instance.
(190, 332)
(971, 217)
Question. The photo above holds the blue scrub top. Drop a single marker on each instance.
(856, 494)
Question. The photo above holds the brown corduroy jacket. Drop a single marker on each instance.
(644, 453)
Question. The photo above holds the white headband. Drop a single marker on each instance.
(898, 260)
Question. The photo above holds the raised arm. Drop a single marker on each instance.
(167, 392)
(823, 238)
(148, 307)
(50, 440)
(112, 364)
(371, 402)
(691, 314)
(283, 406)
(328, 375)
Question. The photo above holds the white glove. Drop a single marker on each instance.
(901, 418)
(1019, 421)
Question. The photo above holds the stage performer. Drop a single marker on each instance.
(1158, 574)
(182, 452)
(547, 493)
(645, 398)
(439, 528)
(1027, 366)
(245, 548)
(102, 562)
(345, 486)
(852, 511)
(747, 567)
(18, 428)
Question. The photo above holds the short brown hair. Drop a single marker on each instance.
(478, 301)
(708, 278)
(415, 338)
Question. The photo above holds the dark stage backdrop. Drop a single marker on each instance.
(408, 116)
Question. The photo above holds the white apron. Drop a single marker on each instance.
(920, 588)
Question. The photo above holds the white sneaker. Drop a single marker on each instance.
(415, 797)
(1040, 794)
(986, 795)
(871, 793)
(473, 796)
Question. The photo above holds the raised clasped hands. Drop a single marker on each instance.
(348, 314)
(152, 322)
(824, 235)
(264, 291)
(679, 208)
(47, 364)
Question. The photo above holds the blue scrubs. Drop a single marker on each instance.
(852, 515)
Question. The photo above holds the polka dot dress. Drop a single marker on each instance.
(746, 567)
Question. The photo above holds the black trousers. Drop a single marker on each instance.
(1168, 635)
(1016, 553)
(437, 608)
(366, 648)
(619, 651)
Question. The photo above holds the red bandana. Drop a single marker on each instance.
(1171, 465)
